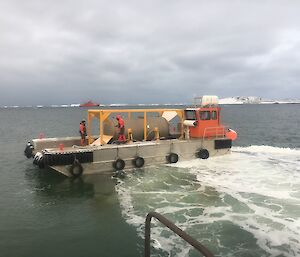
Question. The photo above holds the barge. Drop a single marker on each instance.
(153, 136)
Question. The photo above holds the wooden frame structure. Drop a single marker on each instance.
(102, 115)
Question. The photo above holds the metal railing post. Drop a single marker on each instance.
(196, 244)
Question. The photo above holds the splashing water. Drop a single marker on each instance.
(243, 204)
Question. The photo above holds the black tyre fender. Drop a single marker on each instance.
(138, 162)
(76, 169)
(41, 162)
(172, 158)
(203, 154)
(37, 158)
(119, 164)
(28, 150)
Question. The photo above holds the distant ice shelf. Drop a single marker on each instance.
(255, 100)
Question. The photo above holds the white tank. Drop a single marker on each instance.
(208, 100)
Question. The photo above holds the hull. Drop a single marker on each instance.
(102, 159)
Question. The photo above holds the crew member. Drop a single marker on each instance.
(82, 131)
(121, 138)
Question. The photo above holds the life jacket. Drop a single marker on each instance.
(82, 129)
(120, 122)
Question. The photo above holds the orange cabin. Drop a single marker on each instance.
(207, 123)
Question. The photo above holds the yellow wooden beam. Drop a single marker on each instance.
(133, 110)
(130, 138)
(89, 128)
(101, 128)
(145, 125)
(106, 115)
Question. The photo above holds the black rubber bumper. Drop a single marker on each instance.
(53, 159)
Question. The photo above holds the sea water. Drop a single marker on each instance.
(246, 203)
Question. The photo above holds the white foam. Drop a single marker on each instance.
(256, 188)
(267, 150)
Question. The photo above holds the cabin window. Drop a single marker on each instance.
(214, 115)
(190, 115)
(205, 115)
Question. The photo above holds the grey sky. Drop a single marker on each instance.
(54, 52)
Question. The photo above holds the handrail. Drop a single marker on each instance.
(218, 132)
(196, 244)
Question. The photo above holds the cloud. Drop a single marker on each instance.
(146, 51)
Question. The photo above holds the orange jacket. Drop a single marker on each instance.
(82, 129)
(120, 123)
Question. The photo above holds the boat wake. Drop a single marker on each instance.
(243, 204)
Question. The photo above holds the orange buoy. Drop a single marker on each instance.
(231, 134)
